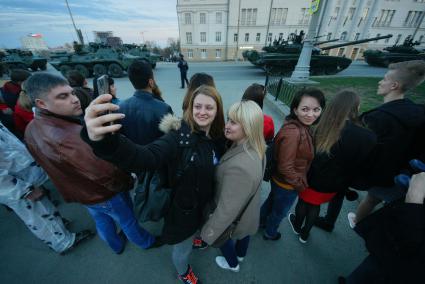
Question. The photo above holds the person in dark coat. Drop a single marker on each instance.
(342, 150)
(183, 66)
(189, 152)
(395, 239)
(395, 123)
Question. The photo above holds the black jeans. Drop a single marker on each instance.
(369, 271)
(334, 207)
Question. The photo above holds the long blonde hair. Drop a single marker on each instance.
(343, 106)
(250, 116)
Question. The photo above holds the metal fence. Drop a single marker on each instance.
(281, 88)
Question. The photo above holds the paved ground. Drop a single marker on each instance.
(24, 259)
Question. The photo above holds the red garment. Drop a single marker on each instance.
(268, 130)
(22, 117)
(12, 88)
(311, 196)
(3, 106)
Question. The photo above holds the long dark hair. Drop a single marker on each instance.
(343, 106)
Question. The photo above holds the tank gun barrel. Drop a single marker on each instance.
(325, 41)
(356, 42)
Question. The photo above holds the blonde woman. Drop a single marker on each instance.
(238, 178)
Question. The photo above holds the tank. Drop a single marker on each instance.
(93, 59)
(395, 53)
(285, 56)
(22, 59)
(143, 52)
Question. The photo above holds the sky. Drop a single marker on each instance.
(132, 20)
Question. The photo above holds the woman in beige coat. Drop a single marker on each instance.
(238, 178)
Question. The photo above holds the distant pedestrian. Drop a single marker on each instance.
(183, 66)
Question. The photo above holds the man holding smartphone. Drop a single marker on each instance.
(53, 138)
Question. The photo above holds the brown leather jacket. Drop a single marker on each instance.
(294, 152)
(80, 176)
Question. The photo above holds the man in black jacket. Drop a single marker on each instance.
(143, 113)
(183, 70)
(395, 239)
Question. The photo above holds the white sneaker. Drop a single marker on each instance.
(351, 217)
(240, 259)
(222, 263)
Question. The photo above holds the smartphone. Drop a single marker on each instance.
(103, 85)
(103, 88)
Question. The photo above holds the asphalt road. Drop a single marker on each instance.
(25, 259)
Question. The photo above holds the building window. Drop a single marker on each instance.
(343, 36)
(257, 38)
(341, 51)
(329, 36)
(356, 37)
(246, 37)
(304, 17)
(413, 19)
(398, 39)
(217, 36)
(187, 19)
(188, 38)
(384, 19)
(278, 16)
(421, 38)
(387, 40)
(280, 35)
(203, 37)
(218, 53)
(248, 17)
(190, 53)
(269, 37)
(203, 53)
(377, 35)
(218, 18)
(235, 37)
(202, 18)
(334, 15)
(363, 17)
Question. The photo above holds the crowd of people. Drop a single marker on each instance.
(106, 153)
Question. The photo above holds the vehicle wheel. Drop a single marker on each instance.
(83, 70)
(64, 69)
(153, 65)
(115, 70)
(34, 68)
(99, 69)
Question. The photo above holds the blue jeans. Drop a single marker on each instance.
(276, 207)
(232, 249)
(119, 209)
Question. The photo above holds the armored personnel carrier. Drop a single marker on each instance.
(22, 59)
(93, 59)
(142, 52)
(285, 56)
(395, 53)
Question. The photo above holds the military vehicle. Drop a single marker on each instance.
(286, 53)
(395, 53)
(142, 52)
(93, 59)
(21, 59)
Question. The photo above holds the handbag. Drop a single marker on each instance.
(152, 201)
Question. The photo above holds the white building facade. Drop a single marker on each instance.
(218, 30)
(34, 42)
